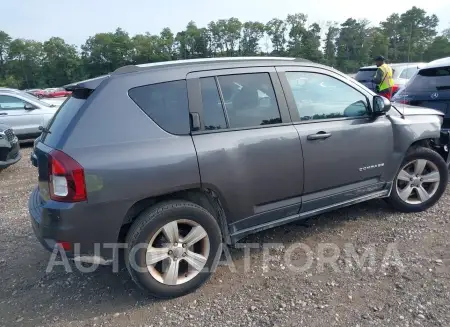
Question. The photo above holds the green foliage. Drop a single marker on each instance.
(440, 47)
(402, 37)
(252, 33)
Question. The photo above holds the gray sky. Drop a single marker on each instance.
(75, 21)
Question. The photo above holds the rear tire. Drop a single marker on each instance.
(420, 181)
(177, 245)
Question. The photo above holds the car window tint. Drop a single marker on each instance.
(430, 80)
(365, 75)
(249, 100)
(320, 96)
(213, 114)
(166, 104)
(408, 72)
(11, 103)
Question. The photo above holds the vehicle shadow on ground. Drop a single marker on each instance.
(75, 294)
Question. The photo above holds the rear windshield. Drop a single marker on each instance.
(365, 75)
(63, 116)
(430, 80)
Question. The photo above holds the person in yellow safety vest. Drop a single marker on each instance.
(383, 78)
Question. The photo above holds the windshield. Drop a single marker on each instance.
(365, 75)
(430, 80)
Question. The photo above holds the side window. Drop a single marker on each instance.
(213, 114)
(408, 72)
(11, 103)
(165, 103)
(249, 100)
(320, 96)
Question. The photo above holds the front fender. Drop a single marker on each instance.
(410, 130)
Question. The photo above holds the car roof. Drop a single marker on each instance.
(200, 64)
(438, 63)
(400, 64)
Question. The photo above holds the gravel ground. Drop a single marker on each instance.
(412, 291)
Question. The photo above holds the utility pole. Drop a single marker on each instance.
(409, 41)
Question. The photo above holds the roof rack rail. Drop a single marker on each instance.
(174, 63)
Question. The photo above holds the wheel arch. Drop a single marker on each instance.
(204, 197)
(439, 145)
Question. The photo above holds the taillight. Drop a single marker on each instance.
(66, 178)
(394, 89)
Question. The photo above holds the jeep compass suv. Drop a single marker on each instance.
(172, 160)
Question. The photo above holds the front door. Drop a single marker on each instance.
(345, 149)
(248, 150)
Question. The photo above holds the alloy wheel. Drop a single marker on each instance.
(417, 181)
(178, 252)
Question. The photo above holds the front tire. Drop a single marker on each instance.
(420, 181)
(173, 248)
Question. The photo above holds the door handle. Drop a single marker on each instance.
(3, 114)
(318, 136)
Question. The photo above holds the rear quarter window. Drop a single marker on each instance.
(166, 104)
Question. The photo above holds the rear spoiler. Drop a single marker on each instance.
(89, 84)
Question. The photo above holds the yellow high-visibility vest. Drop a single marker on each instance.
(387, 80)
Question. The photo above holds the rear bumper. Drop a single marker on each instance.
(90, 237)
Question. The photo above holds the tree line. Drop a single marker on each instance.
(410, 36)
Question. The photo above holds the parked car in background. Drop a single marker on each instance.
(211, 150)
(57, 93)
(38, 93)
(9, 147)
(430, 88)
(32, 91)
(54, 101)
(24, 113)
(402, 72)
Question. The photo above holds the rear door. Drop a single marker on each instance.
(248, 150)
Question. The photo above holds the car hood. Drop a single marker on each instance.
(408, 110)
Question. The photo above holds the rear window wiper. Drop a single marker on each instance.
(44, 129)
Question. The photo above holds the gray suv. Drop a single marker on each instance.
(172, 160)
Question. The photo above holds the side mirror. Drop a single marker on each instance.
(381, 105)
(28, 106)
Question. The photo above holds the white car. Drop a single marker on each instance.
(25, 113)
